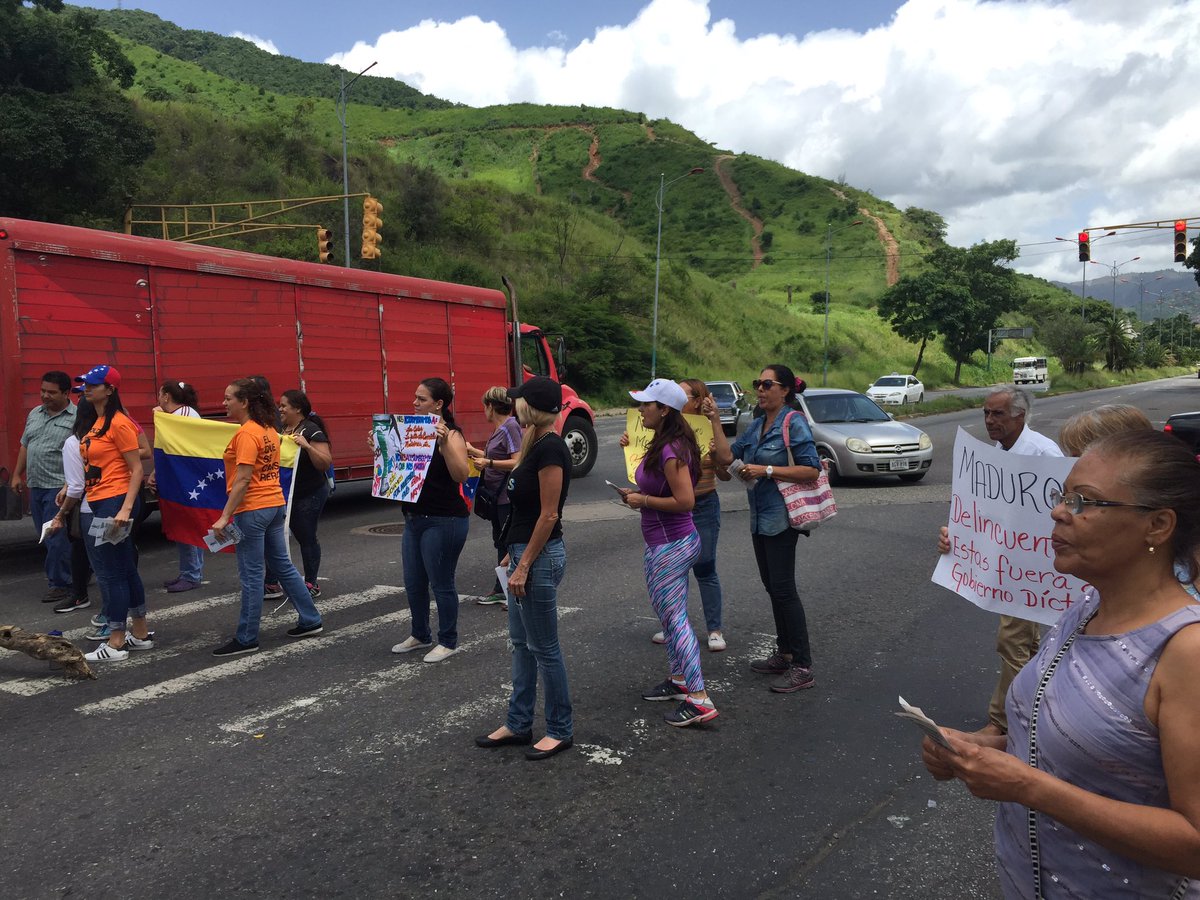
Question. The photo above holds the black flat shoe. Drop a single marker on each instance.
(489, 743)
(534, 753)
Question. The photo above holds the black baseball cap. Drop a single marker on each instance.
(539, 392)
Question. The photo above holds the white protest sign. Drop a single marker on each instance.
(403, 448)
(1000, 554)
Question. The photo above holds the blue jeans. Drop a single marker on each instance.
(305, 513)
(264, 542)
(191, 562)
(58, 545)
(429, 550)
(706, 515)
(533, 634)
(116, 567)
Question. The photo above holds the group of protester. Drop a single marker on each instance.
(1092, 757)
(92, 461)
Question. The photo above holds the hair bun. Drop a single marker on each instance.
(801, 385)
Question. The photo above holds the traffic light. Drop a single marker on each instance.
(1180, 240)
(1085, 246)
(324, 245)
(371, 225)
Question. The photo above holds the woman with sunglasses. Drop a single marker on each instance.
(764, 454)
(1098, 779)
(666, 480)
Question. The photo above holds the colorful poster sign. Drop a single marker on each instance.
(1000, 555)
(640, 435)
(403, 448)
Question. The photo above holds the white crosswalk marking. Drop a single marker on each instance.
(32, 686)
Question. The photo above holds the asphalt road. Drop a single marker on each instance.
(330, 767)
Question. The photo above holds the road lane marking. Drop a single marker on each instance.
(336, 694)
(30, 686)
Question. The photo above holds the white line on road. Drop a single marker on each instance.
(32, 686)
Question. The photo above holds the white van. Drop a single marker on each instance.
(1029, 370)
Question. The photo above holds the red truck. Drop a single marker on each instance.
(357, 342)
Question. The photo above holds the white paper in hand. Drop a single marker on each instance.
(233, 535)
(926, 724)
(502, 575)
(45, 530)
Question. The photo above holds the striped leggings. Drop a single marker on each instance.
(667, 567)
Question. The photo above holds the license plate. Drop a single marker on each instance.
(898, 465)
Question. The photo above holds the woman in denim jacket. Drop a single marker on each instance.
(765, 456)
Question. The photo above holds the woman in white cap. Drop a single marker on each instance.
(666, 480)
(537, 559)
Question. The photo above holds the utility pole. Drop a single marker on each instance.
(341, 113)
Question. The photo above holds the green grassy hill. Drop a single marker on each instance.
(560, 199)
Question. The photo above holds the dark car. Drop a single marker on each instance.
(731, 404)
(1186, 427)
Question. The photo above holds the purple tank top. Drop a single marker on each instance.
(1092, 732)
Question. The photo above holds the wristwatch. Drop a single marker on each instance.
(770, 471)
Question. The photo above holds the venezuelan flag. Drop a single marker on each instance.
(190, 472)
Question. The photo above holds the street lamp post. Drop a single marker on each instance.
(1113, 269)
(1083, 284)
(1141, 283)
(341, 114)
(829, 233)
(658, 201)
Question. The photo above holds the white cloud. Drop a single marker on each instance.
(1025, 120)
(260, 43)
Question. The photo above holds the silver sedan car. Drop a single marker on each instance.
(860, 440)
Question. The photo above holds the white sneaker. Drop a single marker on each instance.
(410, 644)
(438, 653)
(136, 643)
(105, 653)
(716, 643)
(658, 637)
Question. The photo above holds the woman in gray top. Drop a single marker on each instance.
(1098, 779)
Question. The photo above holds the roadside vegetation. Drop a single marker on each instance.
(562, 201)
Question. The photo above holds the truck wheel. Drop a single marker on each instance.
(580, 437)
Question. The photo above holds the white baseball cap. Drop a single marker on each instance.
(664, 391)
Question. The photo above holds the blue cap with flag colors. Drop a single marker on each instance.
(98, 375)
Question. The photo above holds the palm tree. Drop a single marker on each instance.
(1114, 337)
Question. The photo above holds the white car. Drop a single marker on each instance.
(896, 390)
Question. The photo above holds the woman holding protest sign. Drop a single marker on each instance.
(491, 497)
(1098, 781)
(769, 454)
(257, 507)
(435, 528)
(536, 561)
(665, 494)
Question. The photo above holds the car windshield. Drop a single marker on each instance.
(722, 393)
(890, 381)
(844, 408)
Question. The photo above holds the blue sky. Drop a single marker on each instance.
(1023, 119)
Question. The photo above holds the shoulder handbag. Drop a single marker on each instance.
(485, 497)
(809, 503)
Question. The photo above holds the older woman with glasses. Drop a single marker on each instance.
(764, 452)
(1098, 779)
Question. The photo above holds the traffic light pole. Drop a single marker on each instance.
(341, 114)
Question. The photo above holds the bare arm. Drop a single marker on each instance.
(237, 492)
(683, 495)
(550, 480)
(133, 460)
(319, 454)
(1163, 838)
(454, 450)
(18, 475)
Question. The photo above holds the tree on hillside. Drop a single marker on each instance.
(931, 225)
(1065, 335)
(72, 141)
(960, 296)
(1114, 338)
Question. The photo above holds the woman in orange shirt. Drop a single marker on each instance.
(257, 506)
(112, 473)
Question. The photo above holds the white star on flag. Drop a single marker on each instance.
(193, 495)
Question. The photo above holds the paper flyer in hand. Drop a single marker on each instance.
(926, 724)
(233, 535)
(502, 575)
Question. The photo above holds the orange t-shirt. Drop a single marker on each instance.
(255, 446)
(105, 472)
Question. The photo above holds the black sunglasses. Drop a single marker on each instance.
(765, 383)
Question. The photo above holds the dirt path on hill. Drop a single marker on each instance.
(735, 200)
(891, 248)
(593, 162)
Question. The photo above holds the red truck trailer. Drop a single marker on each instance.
(357, 342)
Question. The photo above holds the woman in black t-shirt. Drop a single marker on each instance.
(312, 483)
(537, 559)
(435, 529)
